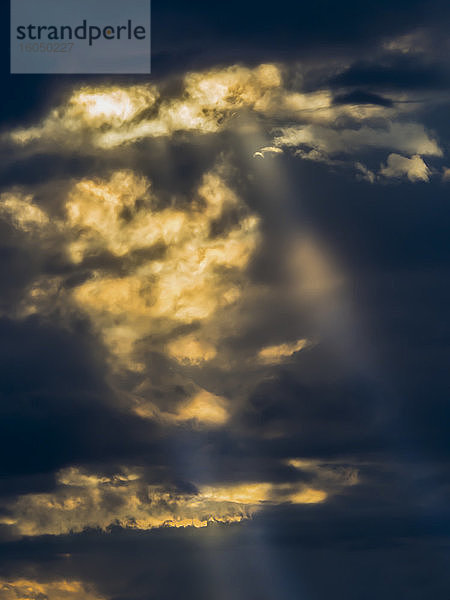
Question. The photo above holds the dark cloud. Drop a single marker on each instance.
(361, 97)
(56, 406)
(400, 73)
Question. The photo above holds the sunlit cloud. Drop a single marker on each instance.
(202, 409)
(27, 589)
(125, 499)
(267, 150)
(208, 99)
(308, 496)
(309, 123)
(410, 138)
(414, 168)
(191, 275)
(22, 212)
(86, 110)
(89, 500)
(266, 494)
(191, 350)
(276, 354)
(184, 285)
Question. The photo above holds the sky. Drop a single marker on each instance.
(224, 300)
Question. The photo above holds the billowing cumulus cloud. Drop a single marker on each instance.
(174, 272)
(414, 168)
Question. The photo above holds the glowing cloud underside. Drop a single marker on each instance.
(90, 500)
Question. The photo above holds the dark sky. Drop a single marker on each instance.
(224, 331)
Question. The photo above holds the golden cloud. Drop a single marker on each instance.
(87, 500)
(192, 275)
(88, 109)
(191, 350)
(203, 409)
(196, 275)
(111, 116)
(26, 589)
(276, 354)
(22, 212)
